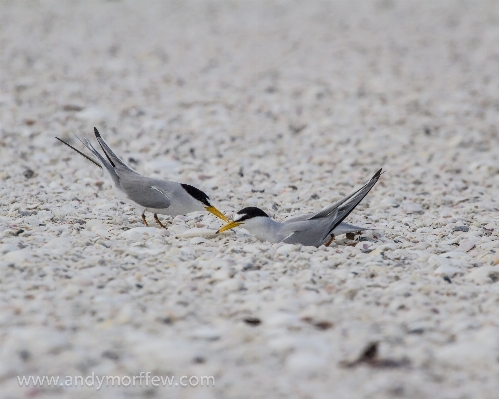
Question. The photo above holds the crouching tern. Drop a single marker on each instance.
(311, 230)
(153, 195)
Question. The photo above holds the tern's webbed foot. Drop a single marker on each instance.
(159, 221)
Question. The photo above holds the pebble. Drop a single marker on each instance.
(177, 229)
(410, 207)
(101, 229)
(197, 232)
(231, 285)
(477, 350)
(447, 270)
(220, 275)
(197, 240)
(285, 249)
(484, 274)
(58, 243)
(18, 257)
(467, 245)
(206, 333)
(92, 114)
(305, 363)
(389, 202)
(4, 248)
(251, 249)
(136, 231)
(32, 221)
(454, 255)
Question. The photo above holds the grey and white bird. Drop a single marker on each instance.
(152, 195)
(311, 230)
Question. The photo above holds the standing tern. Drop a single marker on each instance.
(153, 195)
(312, 230)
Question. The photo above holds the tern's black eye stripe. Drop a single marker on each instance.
(251, 212)
(197, 194)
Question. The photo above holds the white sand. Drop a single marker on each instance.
(307, 101)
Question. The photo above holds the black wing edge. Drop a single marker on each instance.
(375, 178)
(98, 136)
(320, 215)
(79, 152)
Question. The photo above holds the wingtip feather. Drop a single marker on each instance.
(99, 138)
(79, 152)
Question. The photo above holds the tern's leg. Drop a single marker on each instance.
(159, 221)
(330, 241)
(144, 218)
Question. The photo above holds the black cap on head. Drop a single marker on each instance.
(197, 194)
(251, 212)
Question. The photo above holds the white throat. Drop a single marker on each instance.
(263, 228)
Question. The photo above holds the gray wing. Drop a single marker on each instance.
(315, 230)
(335, 215)
(104, 163)
(351, 199)
(147, 192)
(308, 232)
(299, 218)
(311, 232)
(111, 156)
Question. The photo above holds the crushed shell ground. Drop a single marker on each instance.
(287, 106)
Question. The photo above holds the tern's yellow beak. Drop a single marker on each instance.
(217, 213)
(229, 226)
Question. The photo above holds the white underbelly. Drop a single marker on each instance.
(176, 208)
